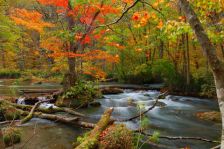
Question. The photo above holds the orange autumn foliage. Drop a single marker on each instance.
(30, 19)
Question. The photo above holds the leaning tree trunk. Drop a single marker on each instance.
(209, 50)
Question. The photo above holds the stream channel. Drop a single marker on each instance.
(174, 117)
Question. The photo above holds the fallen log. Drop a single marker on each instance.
(57, 118)
(74, 121)
(93, 139)
(49, 110)
(38, 91)
(30, 115)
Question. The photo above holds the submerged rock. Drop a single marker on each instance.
(210, 116)
(111, 91)
(160, 104)
(95, 104)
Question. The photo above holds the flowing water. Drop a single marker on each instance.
(174, 117)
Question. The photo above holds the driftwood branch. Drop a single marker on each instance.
(143, 113)
(178, 138)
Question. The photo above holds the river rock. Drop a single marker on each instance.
(111, 91)
(38, 83)
(131, 102)
(28, 101)
(159, 104)
(95, 104)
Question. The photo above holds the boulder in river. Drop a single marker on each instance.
(111, 91)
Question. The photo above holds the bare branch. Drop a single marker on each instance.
(143, 113)
(179, 137)
(122, 15)
(157, 10)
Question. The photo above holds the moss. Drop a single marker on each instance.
(11, 136)
(210, 116)
(93, 139)
(79, 95)
(8, 111)
(116, 136)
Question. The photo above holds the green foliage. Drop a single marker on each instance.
(155, 137)
(116, 137)
(12, 74)
(81, 139)
(165, 70)
(8, 112)
(204, 83)
(80, 94)
(160, 71)
(40, 73)
(145, 123)
(11, 135)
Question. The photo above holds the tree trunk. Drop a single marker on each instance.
(161, 49)
(222, 50)
(2, 145)
(209, 50)
(3, 59)
(187, 60)
(70, 77)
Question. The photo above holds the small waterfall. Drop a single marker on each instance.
(21, 101)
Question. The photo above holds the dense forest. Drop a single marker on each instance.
(117, 74)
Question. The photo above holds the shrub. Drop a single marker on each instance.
(164, 70)
(204, 83)
(41, 73)
(11, 135)
(116, 136)
(8, 112)
(9, 74)
(79, 95)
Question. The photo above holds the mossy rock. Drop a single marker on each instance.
(210, 116)
(72, 103)
(79, 95)
(106, 91)
(8, 112)
(11, 135)
(95, 104)
(116, 137)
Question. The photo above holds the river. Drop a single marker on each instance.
(175, 117)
